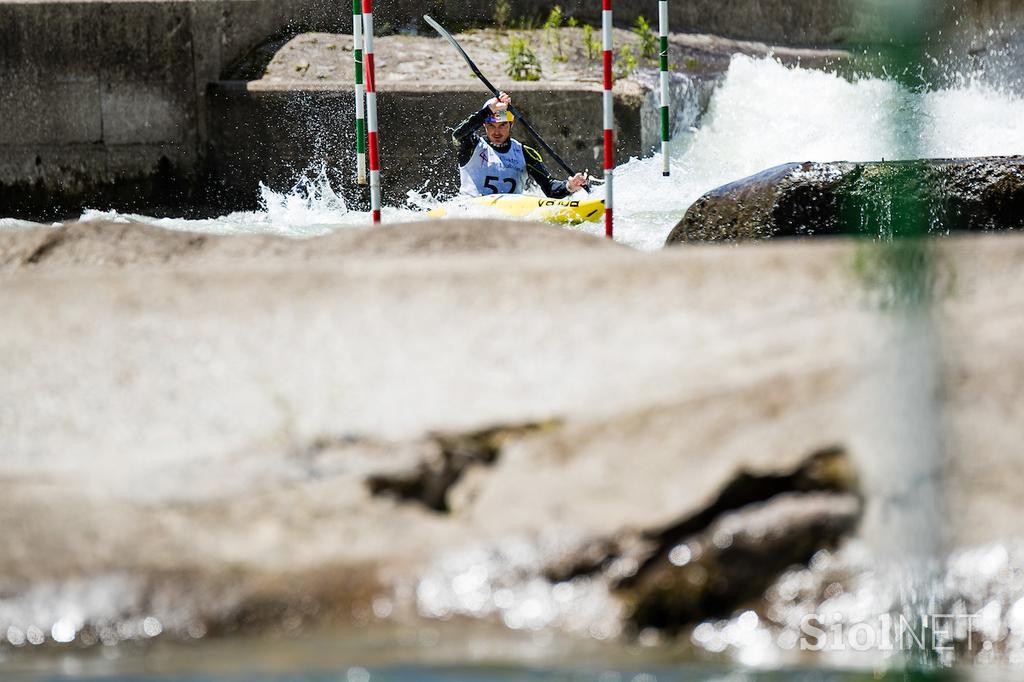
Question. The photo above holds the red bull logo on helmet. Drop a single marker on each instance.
(500, 117)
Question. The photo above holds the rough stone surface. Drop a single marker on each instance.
(803, 199)
(803, 22)
(107, 244)
(171, 413)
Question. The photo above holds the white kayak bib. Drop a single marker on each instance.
(489, 171)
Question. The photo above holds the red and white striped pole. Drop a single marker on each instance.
(371, 110)
(609, 115)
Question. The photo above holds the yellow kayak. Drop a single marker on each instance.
(539, 208)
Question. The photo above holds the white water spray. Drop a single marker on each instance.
(765, 114)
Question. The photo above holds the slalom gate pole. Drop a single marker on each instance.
(609, 114)
(371, 111)
(357, 51)
(663, 59)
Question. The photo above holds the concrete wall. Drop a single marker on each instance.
(104, 103)
(94, 93)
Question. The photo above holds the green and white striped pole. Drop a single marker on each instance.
(663, 48)
(357, 51)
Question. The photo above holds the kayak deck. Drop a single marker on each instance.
(539, 208)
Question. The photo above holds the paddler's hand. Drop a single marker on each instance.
(499, 103)
(578, 182)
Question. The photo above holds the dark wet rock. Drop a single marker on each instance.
(827, 470)
(738, 557)
(706, 565)
(626, 557)
(726, 554)
(586, 558)
(452, 454)
(806, 199)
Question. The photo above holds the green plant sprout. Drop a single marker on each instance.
(551, 30)
(626, 62)
(648, 41)
(520, 61)
(591, 47)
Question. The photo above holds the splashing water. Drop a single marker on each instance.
(312, 202)
(765, 114)
(850, 614)
(310, 208)
(506, 582)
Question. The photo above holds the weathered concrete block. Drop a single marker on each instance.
(49, 40)
(147, 41)
(54, 181)
(145, 113)
(101, 104)
(35, 112)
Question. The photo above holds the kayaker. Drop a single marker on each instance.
(498, 164)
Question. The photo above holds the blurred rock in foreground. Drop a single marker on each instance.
(214, 433)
